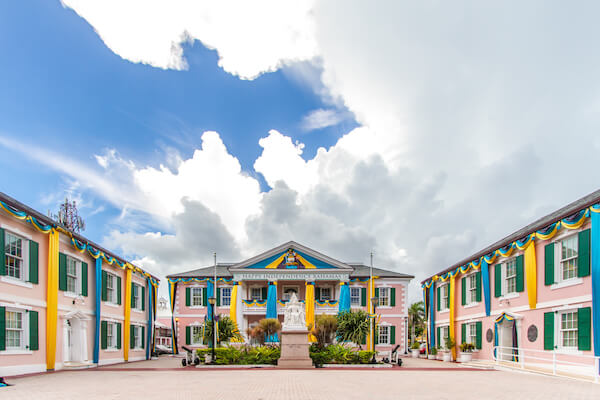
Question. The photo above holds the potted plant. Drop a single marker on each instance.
(466, 352)
(432, 354)
(439, 353)
(415, 349)
(450, 343)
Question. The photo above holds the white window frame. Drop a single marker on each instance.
(137, 332)
(471, 329)
(331, 293)
(24, 335)
(284, 294)
(388, 293)
(380, 333)
(196, 293)
(111, 335)
(259, 289)
(196, 332)
(77, 275)
(471, 289)
(444, 297)
(225, 289)
(444, 333)
(111, 295)
(558, 261)
(559, 330)
(505, 277)
(359, 297)
(24, 256)
(137, 297)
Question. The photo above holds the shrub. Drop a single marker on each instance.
(352, 326)
(415, 345)
(244, 355)
(467, 347)
(434, 351)
(324, 329)
(227, 331)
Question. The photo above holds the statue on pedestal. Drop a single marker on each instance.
(294, 315)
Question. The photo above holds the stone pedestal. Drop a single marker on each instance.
(294, 349)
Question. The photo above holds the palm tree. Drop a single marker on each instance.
(416, 318)
(352, 326)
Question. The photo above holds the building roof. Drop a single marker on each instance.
(564, 212)
(359, 271)
(49, 221)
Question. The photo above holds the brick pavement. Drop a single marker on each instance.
(137, 380)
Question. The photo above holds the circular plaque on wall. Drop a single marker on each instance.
(532, 333)
(489, 335)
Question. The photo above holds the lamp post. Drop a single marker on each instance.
(212, 300)
(374, 303)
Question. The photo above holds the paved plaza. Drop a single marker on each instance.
(163, 379)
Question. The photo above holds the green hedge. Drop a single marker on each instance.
(338, 354)
(244, 355)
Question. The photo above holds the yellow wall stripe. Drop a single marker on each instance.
(127, 322)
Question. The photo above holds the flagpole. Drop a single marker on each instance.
(215, 308)
(370, 303)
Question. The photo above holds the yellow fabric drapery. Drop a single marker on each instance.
(309, 304)
(233, 306)
(52, 299)
(127, 322)
(531, 275)
(371, 291)
(452, 310)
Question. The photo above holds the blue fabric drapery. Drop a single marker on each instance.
(210, 289)
(272, 308)
(485, 278)
(98, 310)
(595, 247)
(344, 303)
(149, 328)
(431, 317)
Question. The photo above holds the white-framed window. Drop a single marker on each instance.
(510, 276)
(384, 296)
(111, 335)
(288, 290)
(472, 289)
(384, 334)
(197, 298)
(568, 252)
(256, 293)
(137, 296)
(111, 288)
(15, 251)
(444, 335)
(471, 333)
(225, 296)
(325, 293)
(137, 337)
(568, 329)
(15, 330)
(197, 335)
(73, 268)
(355, 296)
(445, 297)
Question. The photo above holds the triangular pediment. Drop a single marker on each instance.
(290, 256)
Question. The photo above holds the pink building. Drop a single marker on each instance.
(532, 298)
(66, 302)
(259, 287)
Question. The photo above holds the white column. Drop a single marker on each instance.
(65, 340)
(239, 309)
(84, 341)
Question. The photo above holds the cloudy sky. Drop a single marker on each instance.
(421, 131)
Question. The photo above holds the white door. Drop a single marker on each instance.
(505, 331)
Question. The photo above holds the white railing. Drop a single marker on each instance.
(549, 361)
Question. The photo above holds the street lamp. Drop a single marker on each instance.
(374, 303)
(212, 300)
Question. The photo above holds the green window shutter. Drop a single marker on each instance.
(392, 334)
(103, 334)
(131, 336)
(363, 297)
(188, 335)
(2, 257)
(463, 333)
(498, 280)
(376, 335)
(143, 298)
(204, 297)
(34, 331)
(3, 326)
(143, 336)
(377, 292)
(478, 329)
(439, 338)
(84, 279)
(364, 340)
(463, 286)
(34, 260)
(448, 299)
(104, 293)
(439, 298)
(132, 296)
(318, 293)
(119, 290)
(584, 325)
(583, 261)
(263, 293)
(393, 298)
(549, 331)
(478, 286)
(549, 264)
(520, 273)
(218, 297)
(62, 272)
(118, 335)
(188, 296)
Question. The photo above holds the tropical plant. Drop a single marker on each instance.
(324, 329)
(243, 355)
(467, 347)
(416, 319)
(227, 331)
(434, 351)
(415, 345)
(338, 354)
(270, 326)
(352, 326)
(450, 343)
